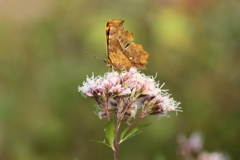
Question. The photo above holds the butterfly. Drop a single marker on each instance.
(122, 54)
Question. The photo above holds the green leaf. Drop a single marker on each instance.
(132, 133)
(101, 142)
(123, 134)
(110, 133)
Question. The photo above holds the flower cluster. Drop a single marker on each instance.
(191, 149)
(212, 156)
(125, 92)
(191, 145)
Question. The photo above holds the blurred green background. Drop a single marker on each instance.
(195, 50)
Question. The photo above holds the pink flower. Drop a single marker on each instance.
(212, 156)
(130, 90)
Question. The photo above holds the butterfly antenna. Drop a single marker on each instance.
(94, 56)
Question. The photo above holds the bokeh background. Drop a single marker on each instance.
(195, 50)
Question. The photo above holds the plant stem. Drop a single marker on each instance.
(120, 116)
(116, 154)
(116, 140)
(106, 109)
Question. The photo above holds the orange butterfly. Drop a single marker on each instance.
(121, 53)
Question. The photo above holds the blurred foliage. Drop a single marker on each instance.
(194, 48)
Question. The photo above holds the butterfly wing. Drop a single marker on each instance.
(122, 54)
(137, 55)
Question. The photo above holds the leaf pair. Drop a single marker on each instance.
(110, 134)
(135, 131)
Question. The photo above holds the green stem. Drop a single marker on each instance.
(116, 140)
